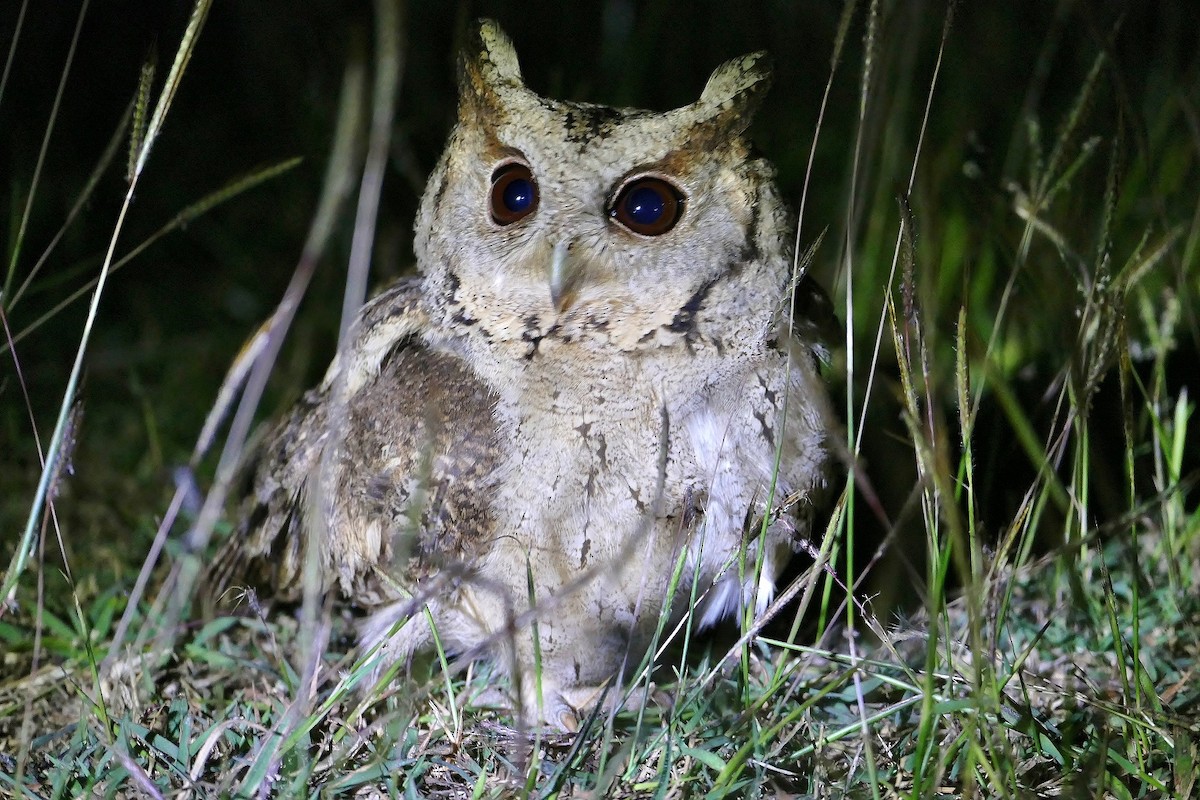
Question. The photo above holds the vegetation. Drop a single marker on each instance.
(1002, 201)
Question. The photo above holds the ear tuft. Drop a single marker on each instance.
(489, 61)
(736, 89)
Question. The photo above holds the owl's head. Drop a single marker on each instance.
(610, 227)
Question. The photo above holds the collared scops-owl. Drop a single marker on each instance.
(591, 413)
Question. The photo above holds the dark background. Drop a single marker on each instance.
(263, 86)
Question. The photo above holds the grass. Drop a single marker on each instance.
(1005, 600)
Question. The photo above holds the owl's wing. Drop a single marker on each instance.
(804, 466)
(814, 320)
(411, 482)
(266, 548)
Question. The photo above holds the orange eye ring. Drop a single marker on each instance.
(648, 206)
(514, 194)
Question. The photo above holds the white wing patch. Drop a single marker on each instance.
(730, 494)
(725, 600)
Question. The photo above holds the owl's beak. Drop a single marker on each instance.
(565, 275)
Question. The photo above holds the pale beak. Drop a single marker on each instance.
(565, 276)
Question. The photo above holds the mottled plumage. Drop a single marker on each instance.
(586, 384)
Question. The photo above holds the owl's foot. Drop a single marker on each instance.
(577, 702)
(563, 708)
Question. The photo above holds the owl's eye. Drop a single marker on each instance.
(649, 206)
(514, 194)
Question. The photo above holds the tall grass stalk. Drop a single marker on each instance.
(182, 55)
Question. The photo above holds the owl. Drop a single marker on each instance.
(590, 414)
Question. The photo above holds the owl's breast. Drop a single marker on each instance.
(596, 473)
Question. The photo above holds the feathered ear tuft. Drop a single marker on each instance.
(488, 68)
(734, 92)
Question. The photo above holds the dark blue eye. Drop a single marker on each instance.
(518, 195)
(645, 206)
(514, 194)
(649, 206)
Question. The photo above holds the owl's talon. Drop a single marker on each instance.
(568, 721)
